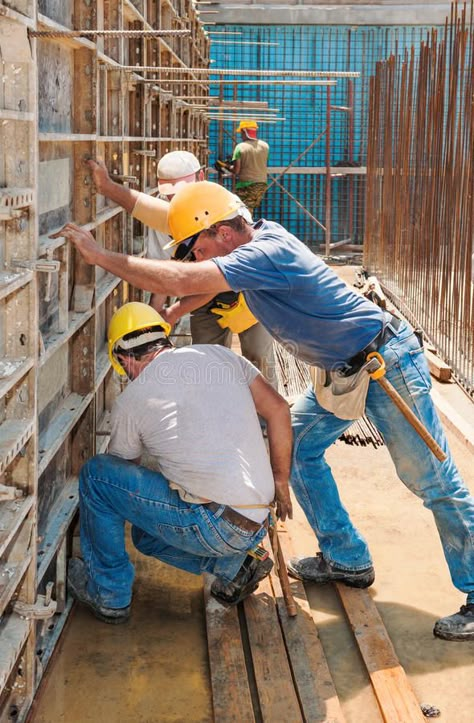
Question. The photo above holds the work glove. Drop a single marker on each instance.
(236, 316)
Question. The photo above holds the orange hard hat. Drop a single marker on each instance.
(245, 125)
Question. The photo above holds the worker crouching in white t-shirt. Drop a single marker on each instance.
(194, 410)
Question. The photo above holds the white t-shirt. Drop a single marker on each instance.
(192, 410)
(155, 245)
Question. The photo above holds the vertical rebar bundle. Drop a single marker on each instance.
(420, 187)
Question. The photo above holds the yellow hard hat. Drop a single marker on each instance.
(131, 317)
(198, 206)
(247, 124)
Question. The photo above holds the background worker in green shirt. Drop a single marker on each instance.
(250, 159)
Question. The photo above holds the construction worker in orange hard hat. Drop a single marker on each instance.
(200, 499)
(249, 165)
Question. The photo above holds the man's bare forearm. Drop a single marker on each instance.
(189, 303)
(125, 197)
(160, 277)
(280, 442)
(276, 412)
(163, 277)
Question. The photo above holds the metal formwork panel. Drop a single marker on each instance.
(65, 99)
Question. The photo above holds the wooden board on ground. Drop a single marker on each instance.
(311, 675)
(269, 666)
(438, 368)
(277, 696)
(286, 669)
(393, 691)
(231, 698)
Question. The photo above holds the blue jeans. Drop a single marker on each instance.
(438, 484)
(190, 537)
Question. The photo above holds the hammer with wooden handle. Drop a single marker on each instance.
(281, 570)
(376, 370)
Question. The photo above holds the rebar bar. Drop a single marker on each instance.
(420, 180)
(240, 71)
(233, 118)
(108, 33)
(207, 81)
(244, 42)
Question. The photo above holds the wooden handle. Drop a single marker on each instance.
(291, 607)
(414, 421)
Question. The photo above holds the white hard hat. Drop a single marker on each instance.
(174, 168)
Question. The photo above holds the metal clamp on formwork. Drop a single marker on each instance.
(42, 609)
(13, 202)
(45, 266)
(125, 179)
(145, 152)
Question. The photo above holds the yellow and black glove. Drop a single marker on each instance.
(235, 316)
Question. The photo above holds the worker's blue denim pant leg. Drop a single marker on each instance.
(191, 537)
(438, 484)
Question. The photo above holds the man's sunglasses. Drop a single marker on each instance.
(184, 251)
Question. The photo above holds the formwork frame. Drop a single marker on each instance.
(58, 107)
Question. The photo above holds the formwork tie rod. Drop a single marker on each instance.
(239, 71)
(107, 33)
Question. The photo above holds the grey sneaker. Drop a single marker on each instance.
(77, 584)
(459, 626)
(244, 583)
(317, 569)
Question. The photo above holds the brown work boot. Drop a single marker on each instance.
(77, 585)
(244, 583)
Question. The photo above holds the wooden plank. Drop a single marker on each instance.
(392, 688)
(57, 525)
(12, 515)
(10, 576)
(277, 696)
(438, 368)
(13, 635)
(11, 371)
(14, 434)
(56, 432)
(231, 697)
(311, 675)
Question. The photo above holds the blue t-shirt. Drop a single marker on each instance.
(299, 299)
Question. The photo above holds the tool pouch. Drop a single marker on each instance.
(342, 395)
(236, 317)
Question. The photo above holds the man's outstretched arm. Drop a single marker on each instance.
(125, 197)
(159, 277)
(151, 211)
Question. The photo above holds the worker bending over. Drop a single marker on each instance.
(320, 320)
(194, 410)
(215, 318)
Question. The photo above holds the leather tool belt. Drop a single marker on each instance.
(235, 517)
(389, 330)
